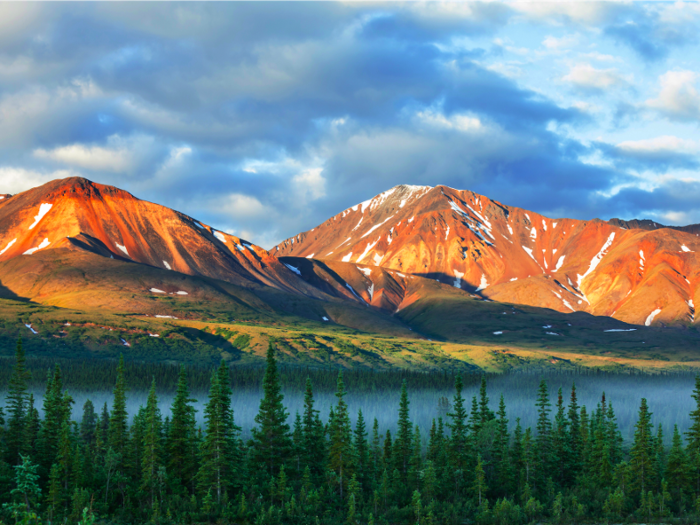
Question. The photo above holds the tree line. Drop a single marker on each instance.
(572, 467)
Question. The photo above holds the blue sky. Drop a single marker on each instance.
(264, 119)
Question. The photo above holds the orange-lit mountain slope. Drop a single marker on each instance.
(78, 214)
(509, 254)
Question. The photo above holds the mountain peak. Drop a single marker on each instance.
(513, 255)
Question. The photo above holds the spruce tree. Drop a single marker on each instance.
(677, 468)
(459, 448)
(501, 456)
(574, 464)
(402, 443)
(642, 452)
(88, 424)
(485, 413)
(219, 452)
(16, 404)
(152, 458)
(314, 444)
(693, 439)
(57, 409)
(271, 446)
(561, 450)
(543, 442)
(362, 462)
(340, 450)
(181, 438)
(118, 430)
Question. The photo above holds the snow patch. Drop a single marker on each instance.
(124, 342)
(310, 256)
(165, 317)
(686, 249)
(621, 330)
(43, 210)
(560, 262)
(32, 329)
(650, 319)
(447, 233)
(43, 244)
(165, 263)
(376, 226)
(122, 248)
(324, 318)
(483, 284)
(180, 292)
(498, 333)
(354, 292)
(369, 246)
(221, 237)
(544, 225)
(153, 335)
(596, 260)
(510, 229)
(293, 268)
(458, 280)
(9, 244)
(366, 271)
(347, 257)
(358, 224)
(554, 224)
(377, 259)
(156, 290)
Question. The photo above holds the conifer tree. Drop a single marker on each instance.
(544, 433)
(361, 447)
(314, 445)
(459, 448)
(693, 438)
(118, 420)
(574, 464)
(88, 424)
(642, 452)
(16, 404)
(485, 413)
(340, 451)
(181, 437)
(501, 456)
(404, 433)
(271, 446)
(219, 451)
(152, 458)
(561, 450)
(677, 468)
(56, 413)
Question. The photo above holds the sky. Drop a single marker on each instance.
(265, 119)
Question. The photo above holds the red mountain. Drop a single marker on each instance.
(508, 254)
(77, 214)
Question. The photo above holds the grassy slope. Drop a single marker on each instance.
(105, 301)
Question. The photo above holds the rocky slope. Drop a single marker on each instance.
(77, 214)
(507, 254)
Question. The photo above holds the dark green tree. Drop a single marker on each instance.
(340, 450)
(152, 458)
(271, 446)
(181, 439)
(642, 452)
(16, 404)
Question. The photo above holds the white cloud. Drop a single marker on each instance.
(310, 184)
(586, 77)
(15, 180)
(556, 44)
(119, 154)
(678, 97)
(457, 122)
(664, 144)
(241, 206)
(588, 13)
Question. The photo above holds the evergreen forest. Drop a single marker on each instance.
(474, 465)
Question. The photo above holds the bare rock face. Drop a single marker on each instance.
(77, 214)
(506, 254)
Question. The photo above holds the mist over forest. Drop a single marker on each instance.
(668, 395)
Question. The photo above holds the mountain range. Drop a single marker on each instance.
(417, 264)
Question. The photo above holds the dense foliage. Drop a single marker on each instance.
(572, 467)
